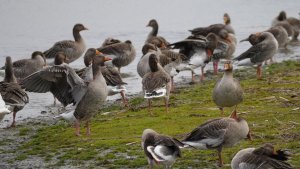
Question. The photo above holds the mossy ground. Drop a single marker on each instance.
(271, 107)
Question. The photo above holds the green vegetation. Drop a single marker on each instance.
(271, 107)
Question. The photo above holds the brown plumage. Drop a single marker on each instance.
(11, 91)
(153, 38)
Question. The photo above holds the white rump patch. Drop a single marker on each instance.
(156, 93)
(68, 116)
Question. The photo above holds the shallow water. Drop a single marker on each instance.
(31, 25)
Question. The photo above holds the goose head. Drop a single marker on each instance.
(282, 16)
(148, 47)
(89, 54)
(60, 58)
(228, 66)
(153, 23)
(38, 55)
(226, 19)
(79, 27)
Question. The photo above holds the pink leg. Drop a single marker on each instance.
(259, 72)
(193, 77)
(149, 106)
(172, 84)
(215, 63)
(125, 102)
(202, 74)
(221, 164)
(88, 128)
(77, 128)
(13, 124)
(167, 104)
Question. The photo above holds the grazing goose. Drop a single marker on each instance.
(215, 28)
(264, 157)
(25, 67)
(160, 149)
(198, 50)
(72, 49)
(156, 83)
(67, 86)
(122, 53)
(228, 91)
(111, 75)
(153, 38)
(264, 49)
(218, 133)
(3, 109)
(225, 48)
(11, 91)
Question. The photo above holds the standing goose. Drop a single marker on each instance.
(3, 109)
(225, 48)
(218, 133)
(25, 67)
(89, 98)
(264, 49)
(11, 91)
(227, 91)
(111, 75)
(153, 38)
(291, 23)
(160, 149)
(198, 51)
(72, 49)
(215, 28)
(264, 157)
(156, 83)
(122, 53)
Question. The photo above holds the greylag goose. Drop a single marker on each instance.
(160, 149)
(225, 48)
(111, 75)
(280, 35)
(153, 38)
(290, 23)
(218, 133)
(215, 28)
(156, 83)
(72, 49)
(264, 157)
(12, 93)
(198, 50)
(122, 53)
(25, 67)
(3, 109)
(69, 87)
(227, 91)
(264, 49)
(168, 59)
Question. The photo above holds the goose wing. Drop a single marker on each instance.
(111, 76)
(13, 94)
(66, 46)
(254, 53)
(155, 80)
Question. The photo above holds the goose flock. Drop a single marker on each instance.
(87, 89)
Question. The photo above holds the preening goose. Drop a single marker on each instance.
(263, 49)
(11, 91)
(218, 133)
(25, 67)
(68, 87)
(280, 35)
(153, 38)
(160, 149)
(122, 53)
(227, 91)
(156, 83)
(72, 49)
(264, 157)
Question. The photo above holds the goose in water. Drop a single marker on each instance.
(263, 49)
(69, 87)
(227, 91)
(198, 51)
(12, 93)
(160, 149)
(122, 53)
(72, 49)
(156, 83)
(264, 157)
(25, 67)
(215, 28)
(3, 109)
(218, 133)
(112, 77)
(291, 24)
(153, 38)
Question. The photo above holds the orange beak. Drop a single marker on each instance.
(98, 52)
(107, 59)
